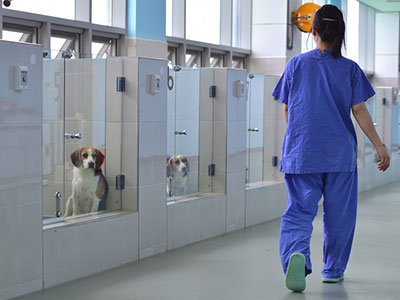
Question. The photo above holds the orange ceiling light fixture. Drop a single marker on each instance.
(304, 16)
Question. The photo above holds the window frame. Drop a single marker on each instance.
(178, 39)
(44, 26)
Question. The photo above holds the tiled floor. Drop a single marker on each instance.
(244, 265)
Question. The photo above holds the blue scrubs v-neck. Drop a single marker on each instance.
(320, 91)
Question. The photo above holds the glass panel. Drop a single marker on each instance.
(171, 128)
(169, 18)
(53, 141)
(196, 28)
(184, 135)
(102, 12)
(172, 57)
(63, 47)
(13, 36)
(255, 129)
(56, 8)
(102, 50)
(193, 59)
(236, 23)
(85, 125)
(217, 60)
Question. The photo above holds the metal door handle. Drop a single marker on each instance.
(183, 132)
(72, 136)
(253, 129)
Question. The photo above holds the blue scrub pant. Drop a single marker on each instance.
(339, 218)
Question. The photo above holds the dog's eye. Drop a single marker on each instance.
(177, 162)
(85, 155)
(94, 156)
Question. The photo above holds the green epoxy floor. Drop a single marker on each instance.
(245, 265)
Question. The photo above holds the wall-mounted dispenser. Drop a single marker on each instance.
(240, 88)
(20, 78)
(155, 81)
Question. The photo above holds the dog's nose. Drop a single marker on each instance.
(91, 165)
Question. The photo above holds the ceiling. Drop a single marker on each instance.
(383, 5)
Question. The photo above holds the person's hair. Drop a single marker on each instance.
(329, 24)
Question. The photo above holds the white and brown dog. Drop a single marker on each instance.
(89, 186)
(178, 170)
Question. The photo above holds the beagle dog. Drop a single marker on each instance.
(89, 186)
(178, 170)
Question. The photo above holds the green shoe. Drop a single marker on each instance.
(295, 274)
(332, 280)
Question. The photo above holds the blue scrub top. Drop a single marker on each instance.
(320, 91)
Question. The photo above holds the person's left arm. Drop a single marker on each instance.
(285, 112)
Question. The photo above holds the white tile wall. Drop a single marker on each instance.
(152, 142)
(195, 220)
(236, 152)
(20, 179)
(262, 36)
(75, 251)
(265, 203)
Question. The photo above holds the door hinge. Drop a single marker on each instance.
(384, 101)
(121, 84)
(212, 91)
(211, 169)
(120, 182)
(275, 161)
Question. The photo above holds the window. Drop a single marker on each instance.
(103, 49)
(193, 59)
(27, 35)
(169, 18)
(238, 62)
(64, 46)
(203, 21)
(102, 12)
(236, 23)
(172, 54)
(56, 8)
(216, 60)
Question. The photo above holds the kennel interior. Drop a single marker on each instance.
(189, 132)
(82, 106)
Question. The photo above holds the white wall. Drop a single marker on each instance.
(20, 172)
(387, 48)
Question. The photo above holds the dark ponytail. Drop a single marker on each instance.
(329, 24)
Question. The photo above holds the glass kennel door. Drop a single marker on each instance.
(74, 116)
(183, 132)
(85, 114)
(53, 138)
(255, 129)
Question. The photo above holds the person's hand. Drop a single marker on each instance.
(384, 157)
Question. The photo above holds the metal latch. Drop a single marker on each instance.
(120, 182)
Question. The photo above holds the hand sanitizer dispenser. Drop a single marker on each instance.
(20, 78)
(155, 82)
(240, 88)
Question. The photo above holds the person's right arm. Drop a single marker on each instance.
(364, 119)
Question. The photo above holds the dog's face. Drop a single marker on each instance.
(178, 164)
(87, 158)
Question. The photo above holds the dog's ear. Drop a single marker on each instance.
(170, 170)
(99, 160)
(76, 158)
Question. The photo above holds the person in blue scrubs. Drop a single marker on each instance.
(319, 89)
